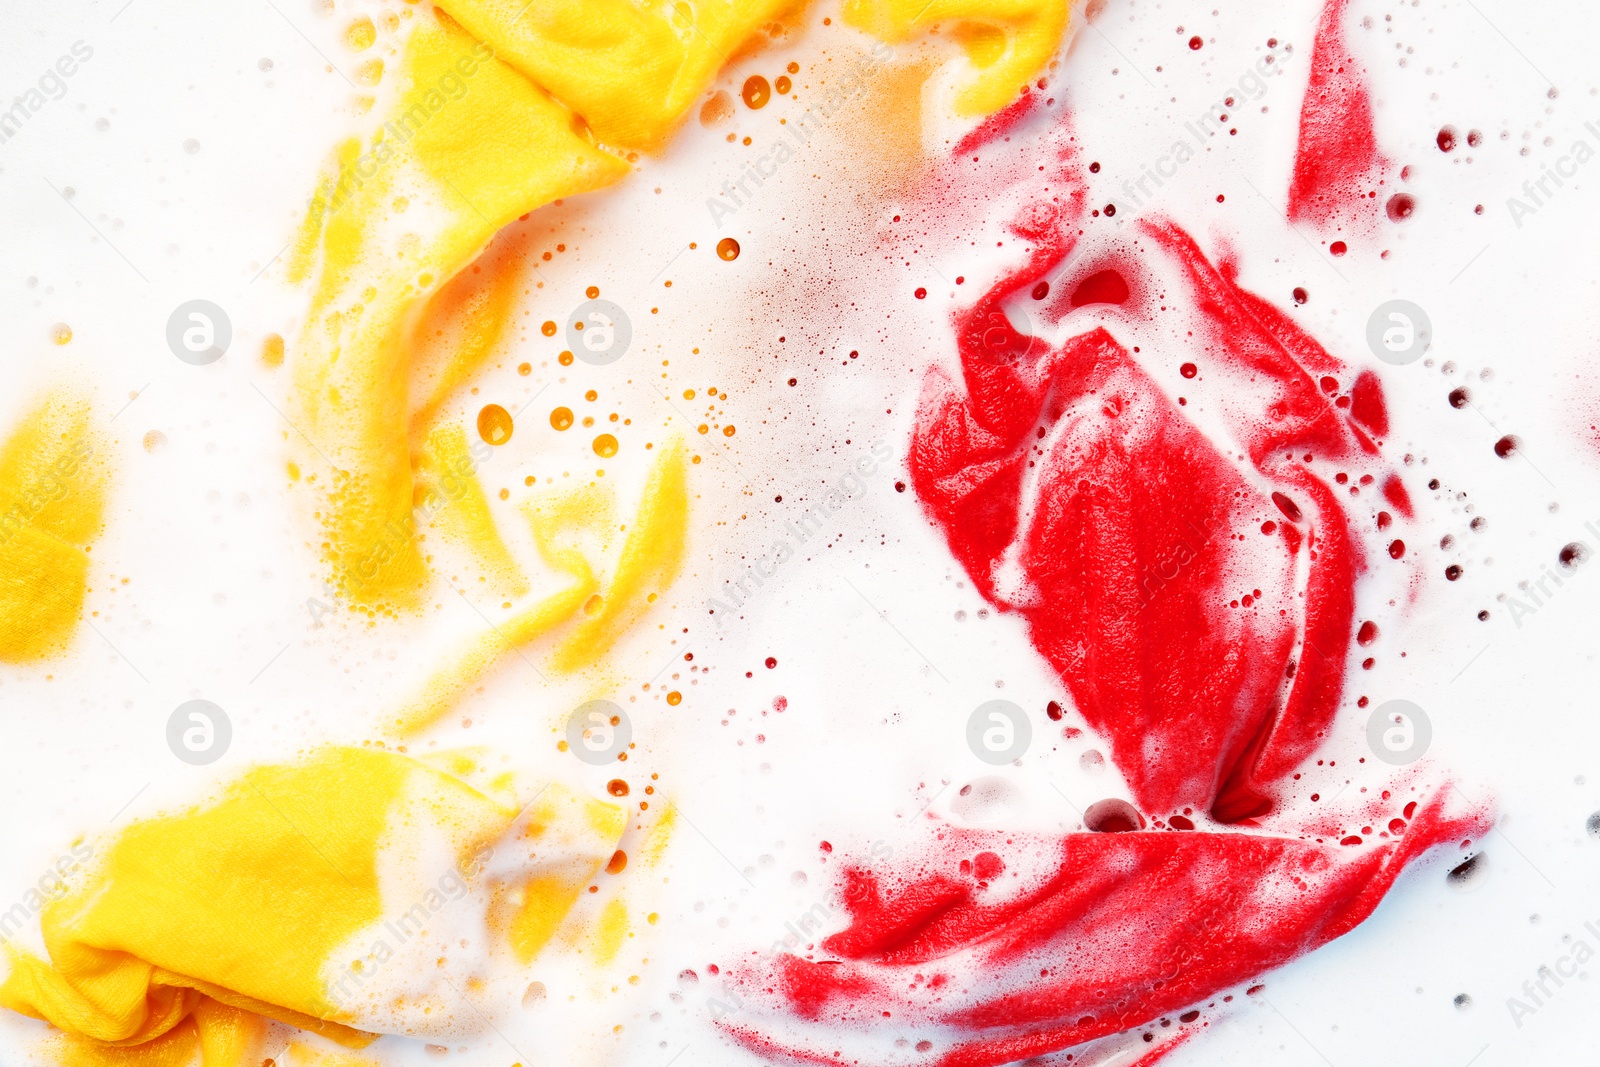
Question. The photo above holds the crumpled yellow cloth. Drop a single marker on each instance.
(52, 497)
(317, 893)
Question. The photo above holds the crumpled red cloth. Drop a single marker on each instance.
(1174, 484)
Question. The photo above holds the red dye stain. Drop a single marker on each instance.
(1101, 287)
(1076, 493)
(1446, 139)
(1400, 207)
(1050, 964)
(1337, 152)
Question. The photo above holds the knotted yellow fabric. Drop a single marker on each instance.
(52, 497)
(318, 893)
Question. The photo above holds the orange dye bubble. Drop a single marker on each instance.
(524, 369)
(592, 292)
(756, 92)
(494, 424)
(561, 418)
(565, 359)
(728, 249)
(674, 698)
(783, 85)
(548, 329)
(605, 446)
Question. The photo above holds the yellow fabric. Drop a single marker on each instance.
(569, 529)
(52, 498)
(461, 511)
(648, 563)
(462, 325)
(537, 908)
(632, 69)
(1007, 41)
(263, 901)
(471, 144)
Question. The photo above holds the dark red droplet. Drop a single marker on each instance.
(1178, 822)
(899, 487)
(1572, 555)
(1452, 572)
(1446, 138)
(1474, 138)
(1195, 44)
(921, 293)
(1110, 209)
(1188, 370)
(1300, 295)
(1368, 633)
(1400, 207)
(1338, 248)
(1101, 287)
(1112, 816)
(1397, 548)
(1053, 710)
(1460, 397)
(1041, 290)
(1507, 446)
(1094, 168)
(986, 865)
(771, 662)
(1268, 527)
(1290, 509)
